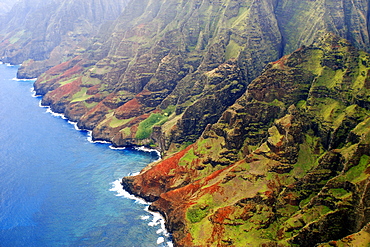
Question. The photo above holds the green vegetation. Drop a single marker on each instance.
(330, 78)
(188, 158)
(197, 213)
(357, 172)
(338, 192)
(62, 83)
(90, 105)
(126, 131)
(14, 39)
(80, 96)
(115, 122)
(145, 127)
(232, 50)
(169, 110)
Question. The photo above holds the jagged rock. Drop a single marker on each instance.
(277, 168)
(164, 56)
(282, 164)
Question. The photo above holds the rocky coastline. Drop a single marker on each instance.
(259, 108)
(294, 180)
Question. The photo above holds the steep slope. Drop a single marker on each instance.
(286, 165)
(44, 33)
(169, 60)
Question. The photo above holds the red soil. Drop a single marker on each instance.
(67, 89)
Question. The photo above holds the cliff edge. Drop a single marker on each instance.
(287, 164)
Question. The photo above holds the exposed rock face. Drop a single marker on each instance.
(47, 32)
(169, 68)
(287, 164)
(284, 163)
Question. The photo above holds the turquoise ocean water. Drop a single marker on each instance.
(59, 189)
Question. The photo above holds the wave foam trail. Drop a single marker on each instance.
(116, 148)
(31, 80)
(160, 240)
(149, 150)
(117, 187)
(157, 217)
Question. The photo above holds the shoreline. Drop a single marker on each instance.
(141, 148)
(158, 217)
(164, 236)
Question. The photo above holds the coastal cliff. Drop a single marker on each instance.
(156, 78)
(287, 164)
(260, 108)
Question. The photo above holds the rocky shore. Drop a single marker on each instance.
(256, 152)
(287, 164)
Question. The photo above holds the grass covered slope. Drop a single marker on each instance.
(287, 165)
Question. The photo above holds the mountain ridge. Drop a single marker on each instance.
(265, 136)
(277, 169)
(161, 64)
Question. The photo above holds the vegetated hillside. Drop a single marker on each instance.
(174, 66)
(287, 164)
(44, 33)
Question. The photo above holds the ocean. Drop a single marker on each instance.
(59, 189)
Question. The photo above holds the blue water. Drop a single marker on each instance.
(57, 188)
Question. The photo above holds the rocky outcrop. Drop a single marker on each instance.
(286, 164)
(283, 163)
(167, 70)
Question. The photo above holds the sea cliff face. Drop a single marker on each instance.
(287, 164)
(156, 78)
(41, 34)
(257, 152)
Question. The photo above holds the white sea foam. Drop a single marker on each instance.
(116, 148)
(144, 217)
(48, 110)
(90, 138)
(33, 91)
(117, 187)
(160, 240)
(157, 219)
(31, 80)
(74, 125)
(145, 149)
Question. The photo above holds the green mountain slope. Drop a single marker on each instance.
(286, 165)
(166, 62)
(273, 159)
